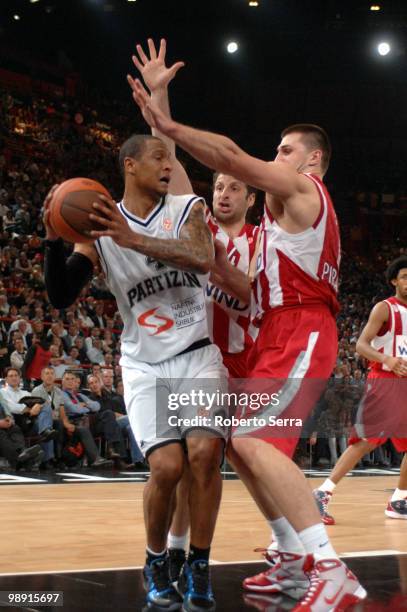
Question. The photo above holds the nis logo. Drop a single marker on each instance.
(155, 322)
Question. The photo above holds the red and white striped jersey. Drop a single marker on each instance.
(299, 269)
(228, 318)
(392, 338)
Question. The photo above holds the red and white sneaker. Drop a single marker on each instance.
(322, 499)
(260, 582)
(397, 509)
(333, 588)
(285, 576)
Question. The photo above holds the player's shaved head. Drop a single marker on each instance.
(134, 147)
(314, 137)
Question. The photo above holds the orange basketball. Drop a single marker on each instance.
(70, 207)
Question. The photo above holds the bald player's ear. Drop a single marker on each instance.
(129, 165)
(315, 157)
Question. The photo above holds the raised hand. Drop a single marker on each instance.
(150, 110)
(155, 73)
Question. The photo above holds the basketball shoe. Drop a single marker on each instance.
(161, 595)
(397, 509)
(176, 559)
(332, 587)
(195, 585)
(322, 499)
(285, 576)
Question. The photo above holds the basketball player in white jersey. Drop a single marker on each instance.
(228, 318)
(296, 290)
(383, 342)
(156, 252)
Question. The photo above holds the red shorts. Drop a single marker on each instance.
(382, 412)
(236, 363)
(400, 444)
(297, 349)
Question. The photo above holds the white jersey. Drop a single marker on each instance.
(163, 309)
(392, 338)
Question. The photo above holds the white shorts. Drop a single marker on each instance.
(152, 391)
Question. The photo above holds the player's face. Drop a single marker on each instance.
(401, 284)
(153, 168)
(230, 199)
(293, 151)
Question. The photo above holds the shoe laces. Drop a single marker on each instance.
(159, 574)
(313, 589)
(324, 500)
(271, 557)
(200, 577)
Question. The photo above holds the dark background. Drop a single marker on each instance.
(304, 60)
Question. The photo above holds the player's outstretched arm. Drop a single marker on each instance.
(378, 317)
(192, 251)
(64, 277)
(157, 76)
(222, 154)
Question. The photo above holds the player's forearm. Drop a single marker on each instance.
(233, 282)
(64, 277)
(364, 349)
(160, 96)
(188, 255)
(213, 150)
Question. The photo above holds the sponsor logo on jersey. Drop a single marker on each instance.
(161, 282)
(158, 323)
(167, 225)
(220, 297)
(154, 263)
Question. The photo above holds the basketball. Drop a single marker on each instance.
(70, 207)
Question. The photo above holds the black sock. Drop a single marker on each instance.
(198, 553)
(150, 556)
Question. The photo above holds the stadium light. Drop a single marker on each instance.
(253, 3)
(16, 17)
(375, 7)
(232, 47)
(383, 48)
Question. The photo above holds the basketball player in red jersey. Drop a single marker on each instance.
(295, 291)
(383, 342)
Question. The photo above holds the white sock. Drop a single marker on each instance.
(286, 537)
(328, 486)
(156, 554)
(399, 494)
(178, 541)
(315, 541)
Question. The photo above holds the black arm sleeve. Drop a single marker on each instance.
(64, 278)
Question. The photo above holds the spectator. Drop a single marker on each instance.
(13, 447)
(32, 417)
(53, 395)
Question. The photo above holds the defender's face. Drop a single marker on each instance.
(152, 171)
(230, 199)
(293, 151)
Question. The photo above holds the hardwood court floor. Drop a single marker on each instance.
(88, 526)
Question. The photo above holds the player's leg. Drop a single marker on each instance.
(178, 536)
(166, 468)
(356, 450)
(397, 506)
(204, 457)
(267, 464)
(166, 459)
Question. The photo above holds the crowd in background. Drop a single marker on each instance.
(43, 142)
